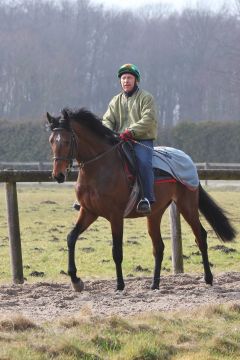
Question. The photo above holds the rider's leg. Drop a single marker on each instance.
(144, 154)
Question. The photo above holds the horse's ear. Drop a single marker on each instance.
(49, 118)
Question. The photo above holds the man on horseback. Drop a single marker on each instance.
(132, 114)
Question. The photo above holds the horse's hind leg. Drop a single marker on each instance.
(204, 251)
(117, 249)
(189, 209)
(84, 220)
(153, 222)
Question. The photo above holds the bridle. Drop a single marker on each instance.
(73, 151)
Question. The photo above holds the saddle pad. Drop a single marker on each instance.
(160, 174)
(134, 196)
(168, 164)
(178, 164)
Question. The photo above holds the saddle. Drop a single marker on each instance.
(129, 155)
(131, 170)
(170, 165)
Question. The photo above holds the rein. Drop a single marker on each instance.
(83, 163)
(161, 152)
(73, 151)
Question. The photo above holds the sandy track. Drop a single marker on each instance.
(44, 301)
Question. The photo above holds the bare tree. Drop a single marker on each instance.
(67, 54)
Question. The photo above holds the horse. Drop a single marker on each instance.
(103, 189)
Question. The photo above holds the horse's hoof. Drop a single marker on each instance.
(208, 280)
(120, 287)
(155, 287)
(78, 286)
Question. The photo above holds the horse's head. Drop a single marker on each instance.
(62, 144)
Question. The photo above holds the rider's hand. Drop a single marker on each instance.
(126, 135)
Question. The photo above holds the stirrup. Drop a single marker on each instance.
(143, 207)
(76, 205)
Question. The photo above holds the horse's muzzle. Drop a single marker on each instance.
(60, 178)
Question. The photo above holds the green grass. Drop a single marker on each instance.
(46, 216)
(207, 333)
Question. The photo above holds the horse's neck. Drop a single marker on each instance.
(89, 145)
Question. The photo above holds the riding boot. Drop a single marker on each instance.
(144, 207)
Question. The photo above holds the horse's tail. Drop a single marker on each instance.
(215, 216)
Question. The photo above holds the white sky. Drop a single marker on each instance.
(171, 4)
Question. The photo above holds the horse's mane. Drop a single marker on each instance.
(90, 121)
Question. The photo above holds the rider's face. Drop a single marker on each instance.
(127, 82)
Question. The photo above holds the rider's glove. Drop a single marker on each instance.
(126, 135)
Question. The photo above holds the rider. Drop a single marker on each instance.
(132, 114)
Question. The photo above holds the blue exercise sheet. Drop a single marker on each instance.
(178, 164)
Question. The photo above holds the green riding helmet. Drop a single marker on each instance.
(129, 69)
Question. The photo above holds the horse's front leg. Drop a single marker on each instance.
(84, 220)
(117, 250)
(158, 247)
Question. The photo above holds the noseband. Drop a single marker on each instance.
(72, 151)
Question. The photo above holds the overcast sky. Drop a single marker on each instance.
(173, 4)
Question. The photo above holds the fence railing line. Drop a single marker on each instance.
(46, 175)
(47, 165)
(216, 164)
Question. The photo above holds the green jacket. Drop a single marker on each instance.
(136, 113)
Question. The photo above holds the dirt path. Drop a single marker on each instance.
(45, 301)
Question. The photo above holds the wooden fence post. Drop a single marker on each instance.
(205, 168)
(14, 233)
(176, 238)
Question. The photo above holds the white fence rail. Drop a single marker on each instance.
(47, 165)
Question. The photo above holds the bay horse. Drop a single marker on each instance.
(103, 189)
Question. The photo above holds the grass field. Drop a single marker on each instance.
(208, 333)
(46, 216)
